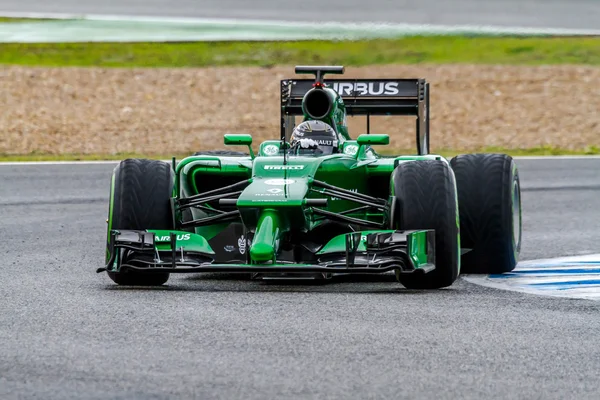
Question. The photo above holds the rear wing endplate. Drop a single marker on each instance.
(408, 97)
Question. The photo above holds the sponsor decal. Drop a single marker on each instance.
(271, 149)
(229, 248)
(325, 142)
(167, 238)
(271, 192)
(242, 244)
(267, 194)
(284, 167)
(268, 200)
(366, 88)
(351, 150)
(315, 143)
(307, 144)
(278, 182)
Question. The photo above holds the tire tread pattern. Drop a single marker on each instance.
(484, 183)
(142, 201)
(426, 194)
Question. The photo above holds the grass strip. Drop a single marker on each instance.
(4, 20)
(408, 50)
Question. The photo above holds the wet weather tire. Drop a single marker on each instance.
(489, 199)
(141, 200)
(425, 198)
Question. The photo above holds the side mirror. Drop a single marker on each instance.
(239, 139)
(371, 139)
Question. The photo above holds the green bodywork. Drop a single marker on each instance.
(274, 203)
(416, 243)
(281, 205)
(189, 241)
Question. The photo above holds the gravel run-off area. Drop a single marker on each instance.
(167, 111)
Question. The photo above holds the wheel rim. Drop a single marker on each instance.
(516, 212)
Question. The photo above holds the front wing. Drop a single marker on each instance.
(365, 252)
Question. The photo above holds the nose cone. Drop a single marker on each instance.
(261, 252)
(267, 232)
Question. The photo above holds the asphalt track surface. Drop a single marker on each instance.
(67, 332)
(574, 14)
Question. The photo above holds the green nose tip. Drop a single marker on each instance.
(263, 243)
(262, 252)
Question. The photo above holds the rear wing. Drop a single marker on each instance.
(409, 97)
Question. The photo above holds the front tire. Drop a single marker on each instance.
(140, 199)
(489, 196)
(425, 198)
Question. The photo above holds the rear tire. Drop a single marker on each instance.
(489, 198)
(425, 198)
(141, 200)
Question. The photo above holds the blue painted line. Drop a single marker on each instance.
(574, 277)
(560, 264)
(565, 285)
(585, 262)
(544, 271)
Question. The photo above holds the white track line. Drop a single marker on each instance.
(534, 283)
(405, 27)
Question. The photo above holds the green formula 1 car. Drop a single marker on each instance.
(315, 202)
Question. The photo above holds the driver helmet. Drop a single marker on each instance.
(314, 137)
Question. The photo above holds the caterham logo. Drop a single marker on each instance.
(242, 244)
